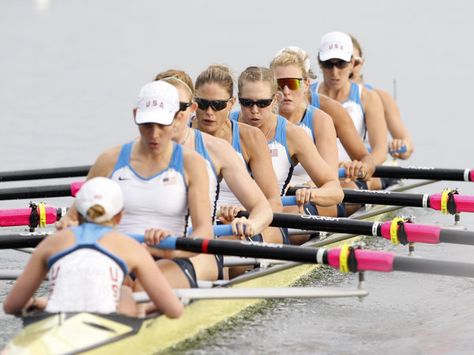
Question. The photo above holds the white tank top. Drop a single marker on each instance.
(85, 277)
(353, 106)
(159, 201)
(281, 159)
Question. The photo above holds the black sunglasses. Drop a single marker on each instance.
(339, 64)
(260, 103)
(216, 105)
(183, 106)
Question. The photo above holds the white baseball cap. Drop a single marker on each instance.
(158, 102)
(335, 45)
(103, 192)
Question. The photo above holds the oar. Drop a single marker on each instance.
(446, 202)
(51, 173)
(16, 193)
(345, 259)
(397, 230)
(348, 259)
(401, 172)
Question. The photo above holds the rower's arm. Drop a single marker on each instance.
(326, 138)
(198, 194)
(260, 163)
(302, 149)
(395, 125)
(242, 185)
(153, 281)
(376, 126)
(347, 133)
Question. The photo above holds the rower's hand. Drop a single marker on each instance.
(65, 222)
(395, 146)
(242, 228)
(303, 197)
(227, 213)
(154, 236)
(355, 169)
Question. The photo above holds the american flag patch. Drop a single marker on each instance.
(274, 152)
(170, 180)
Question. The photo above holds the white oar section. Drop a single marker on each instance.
(259, 293)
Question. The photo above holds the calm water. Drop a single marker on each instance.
(70, 72)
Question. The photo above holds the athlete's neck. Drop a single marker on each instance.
(224, 131)
(340, 94)
(296, 115)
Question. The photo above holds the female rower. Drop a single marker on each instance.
(87, 264)
(396, 127)
(364, 106)
(163, 184)
(214, 98)
(291, 68)
(288, 143)
(221, 160)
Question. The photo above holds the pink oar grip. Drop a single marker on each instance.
(471, 175)
(366, 259)
(421, 233)
(21, 216)
(75, 187)
(463, 203)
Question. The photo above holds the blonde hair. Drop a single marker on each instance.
(289, 57)
(95, 212)
(218, 74)
(356, 45)
(177, 78)
(254, 74)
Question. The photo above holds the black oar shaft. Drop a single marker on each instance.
(51, 173)
(19, 241)
(383, 198)
(13, 193)
(249, 249)
(435, 267)
(319, 223)
(400, 172)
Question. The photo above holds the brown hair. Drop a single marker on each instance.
(289, 57)
(254, 74)
(219, 74)
(177, 78)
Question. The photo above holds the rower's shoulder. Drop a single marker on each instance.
(385, 96)
(193, 161)
(332, 107)
(216, 145)
(249, 132)
(296, 133)
(109, 155)
(105, 162)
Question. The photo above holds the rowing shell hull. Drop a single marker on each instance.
(107, 334)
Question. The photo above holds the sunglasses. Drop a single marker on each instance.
(183, 106)
(216, 105)
(339, 64)
(260, 103)
(291, 83)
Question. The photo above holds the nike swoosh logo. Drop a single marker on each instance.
(122, 178)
